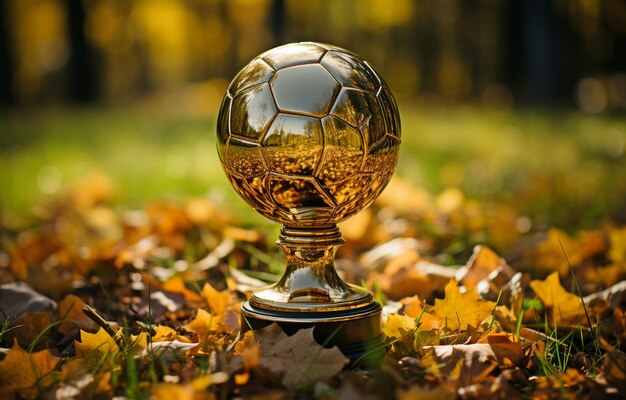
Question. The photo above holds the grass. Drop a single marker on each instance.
(564, 168)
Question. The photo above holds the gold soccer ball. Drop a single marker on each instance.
(308, 134)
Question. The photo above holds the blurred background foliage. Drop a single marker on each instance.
(518, 101)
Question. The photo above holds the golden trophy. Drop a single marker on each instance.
(308, 135)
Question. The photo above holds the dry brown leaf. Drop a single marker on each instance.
(298, 358)
(22, 372)
(471, 363)
(28, 328)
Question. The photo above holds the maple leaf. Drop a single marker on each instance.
(22, 372)
(457, 311)
(565, 306)
(99, 342)
(298, 358)
(398, 326)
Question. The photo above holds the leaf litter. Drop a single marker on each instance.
(472, 306)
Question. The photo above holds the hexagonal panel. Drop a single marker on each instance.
(293, 54)
(390, 111)
(293, 145)
(343, 151)
(242, 158)
(354, 106)
(251, 112)
(305, 89)
(257, 71)
(350, 71)
(223, 130)
(301, 200)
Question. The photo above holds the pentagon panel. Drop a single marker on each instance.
(251, 112)
(390, 111)
(242, 158)
(293, 54)
(354, 106)
(293, 145)
(305, 89)
(350, 71)
(300, 200)
(223, 130)
(343, 151)
(257, 71)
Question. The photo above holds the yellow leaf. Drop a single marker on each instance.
(217, 301)
(566, 307)
(248, 348)
(617, 253)
(203, 323)
(22, 372)
(164, 334)
(458, 311)
(398, 326)
(99, 342)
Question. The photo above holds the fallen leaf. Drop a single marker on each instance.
(458, 311)
(248, 348)
(177, 285)
(22, 373)
(617, 252)
(566, 307)
(398, 326)
(19, 298)
(298, 358)
(471, 363)
(30, 327)
(70, 311)
(95, 343)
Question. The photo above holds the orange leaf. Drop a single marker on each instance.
(22, 372)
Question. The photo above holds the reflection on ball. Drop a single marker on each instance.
(308, 134)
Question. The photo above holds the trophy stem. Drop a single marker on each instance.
(310, 281)
(311, 294)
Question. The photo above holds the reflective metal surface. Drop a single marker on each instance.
(322, 117)
(308, 135)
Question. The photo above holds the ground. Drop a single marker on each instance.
(499, 252)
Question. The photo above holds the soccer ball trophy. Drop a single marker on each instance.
(308, 135)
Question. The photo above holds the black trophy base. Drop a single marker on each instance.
(356, 332)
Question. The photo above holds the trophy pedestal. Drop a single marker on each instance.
(311, 294)
(356, 332)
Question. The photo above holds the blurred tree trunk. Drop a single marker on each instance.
(82, 79)
(6, 64)
(277, 21)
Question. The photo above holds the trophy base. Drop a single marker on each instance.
(356, 332)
